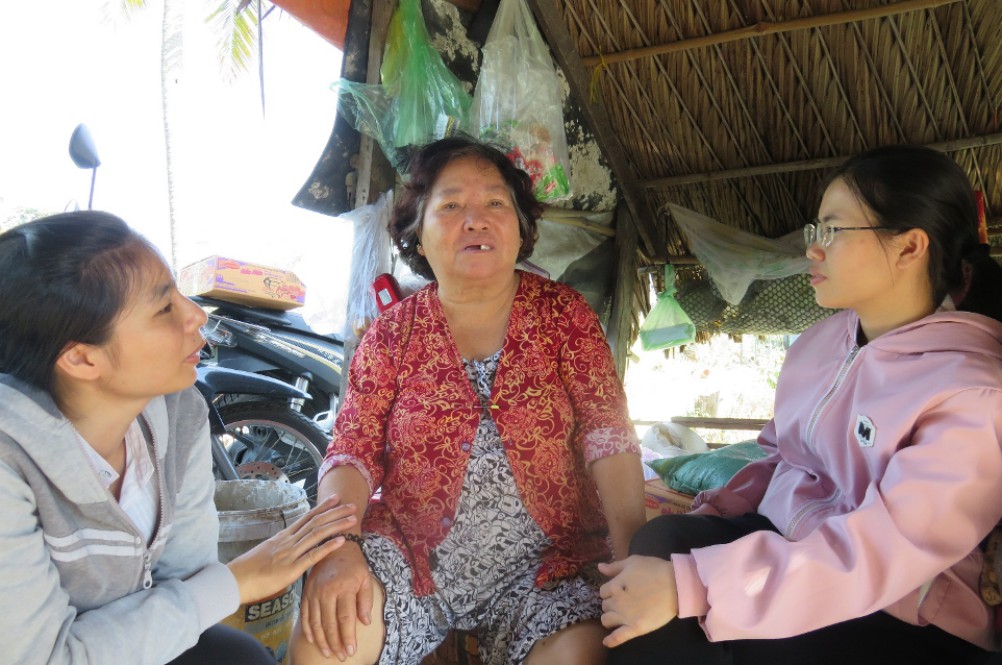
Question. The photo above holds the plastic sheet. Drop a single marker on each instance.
(667, 324)
(419, 99)
(735, 258)
(517, 101)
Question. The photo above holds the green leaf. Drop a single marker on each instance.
(235, 25)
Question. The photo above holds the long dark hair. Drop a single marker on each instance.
(913, 187)
(65, 278)
(408, 213)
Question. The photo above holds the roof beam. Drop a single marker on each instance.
(804, 165)
(767, 28)
(555, 30)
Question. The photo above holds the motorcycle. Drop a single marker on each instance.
(281, 345)
(253, 429)
(261, 438)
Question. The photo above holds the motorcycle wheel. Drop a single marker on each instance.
(273, 433)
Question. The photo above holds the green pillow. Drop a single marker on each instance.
(691, 474)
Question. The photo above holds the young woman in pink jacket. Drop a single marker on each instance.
(856, 540)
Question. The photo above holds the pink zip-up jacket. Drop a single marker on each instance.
(884, 473)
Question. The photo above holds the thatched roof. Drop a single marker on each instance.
(735, 108)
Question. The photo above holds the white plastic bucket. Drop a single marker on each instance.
(251, 511)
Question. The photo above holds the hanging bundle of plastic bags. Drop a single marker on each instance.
(370, 256)
(667, 324)
(517, 101)
(419, 99)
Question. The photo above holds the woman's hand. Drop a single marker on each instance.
(279, 561)
(640, 597)
(338, 594)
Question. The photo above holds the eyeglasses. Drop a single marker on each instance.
(823, 233)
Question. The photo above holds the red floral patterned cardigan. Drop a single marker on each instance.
(410, 415)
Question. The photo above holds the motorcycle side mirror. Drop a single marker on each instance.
(83, 152)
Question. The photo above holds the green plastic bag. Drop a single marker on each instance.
(667, 324)
(419, 100)
(691, 474)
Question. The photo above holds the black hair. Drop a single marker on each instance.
(426, 165)
(65, 278)
(914, 187)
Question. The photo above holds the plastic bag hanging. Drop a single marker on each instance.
(517, 101)
(419, 99)
(370, 256)
(735, 258)
(667, 324)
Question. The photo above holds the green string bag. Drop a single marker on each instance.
(667, 324)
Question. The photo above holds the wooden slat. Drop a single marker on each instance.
(806, 164)
(555, 31)
(690, 260)
(751, 424)
(574, 218)
(767, 28)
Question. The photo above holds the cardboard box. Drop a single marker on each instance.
(659, 499)
(243, 283)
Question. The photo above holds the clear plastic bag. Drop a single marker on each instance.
(419, 99)
(370, 257)
(670, 439)
(666, 324)
(735, 258)
(517, 101)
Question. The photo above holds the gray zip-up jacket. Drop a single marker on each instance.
(80, 584)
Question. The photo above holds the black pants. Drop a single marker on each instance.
(877, 639)
(222, 645)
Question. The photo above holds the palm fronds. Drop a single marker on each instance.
(234, 22)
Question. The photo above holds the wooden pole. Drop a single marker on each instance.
(382, 12)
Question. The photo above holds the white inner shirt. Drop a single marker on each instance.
(140, 493)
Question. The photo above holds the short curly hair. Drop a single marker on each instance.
(426, 165)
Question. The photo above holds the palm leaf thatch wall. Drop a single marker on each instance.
(737, 108)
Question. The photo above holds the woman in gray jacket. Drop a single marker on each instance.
(108, 530)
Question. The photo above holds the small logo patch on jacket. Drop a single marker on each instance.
(866, 431)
